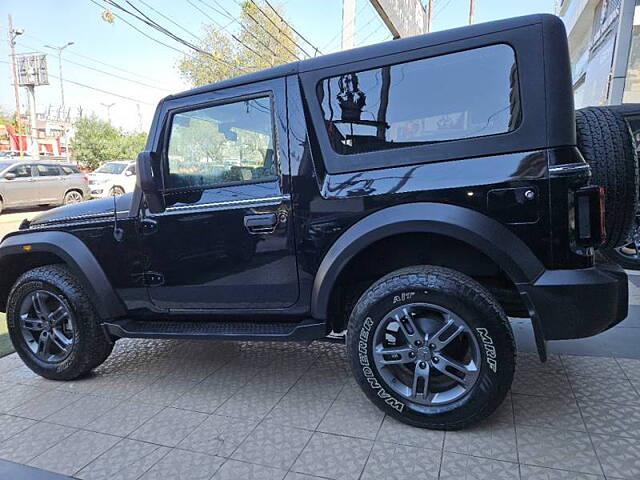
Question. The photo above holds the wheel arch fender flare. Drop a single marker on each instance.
(490, 237)
(77, 256)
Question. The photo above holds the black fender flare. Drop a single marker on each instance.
(493, 239)
(78, 257)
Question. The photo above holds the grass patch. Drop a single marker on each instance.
(5, 344)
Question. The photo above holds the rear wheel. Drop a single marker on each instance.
(116, 191)
(72, 196)
(431, 347)
(53, 325)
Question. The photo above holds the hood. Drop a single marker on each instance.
(92, 208)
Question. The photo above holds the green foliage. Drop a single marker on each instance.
(255, 50)
(8, 118)
(96, 141)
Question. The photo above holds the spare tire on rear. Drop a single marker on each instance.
(606, 143)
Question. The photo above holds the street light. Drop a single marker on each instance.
(60, 49)
(13, 33)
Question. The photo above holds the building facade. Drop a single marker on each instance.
(604, 44)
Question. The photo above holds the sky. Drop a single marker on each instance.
(147, 70)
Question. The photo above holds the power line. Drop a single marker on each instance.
(272, 36)
(86, 57)
(170, 20)
(292, 28)
(233, 19)
(264, 14)
(225, 28)
(156, 26)
(66, 60)
(337, 35)
(124, 97)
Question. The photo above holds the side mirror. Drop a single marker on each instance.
(128, 173)
(147, 183)
(9, 176)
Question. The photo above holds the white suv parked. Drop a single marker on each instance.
(113, 178)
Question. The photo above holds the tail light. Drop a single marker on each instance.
(590, 227)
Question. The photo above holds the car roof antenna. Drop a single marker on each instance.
(118, 233)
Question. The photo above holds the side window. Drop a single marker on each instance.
(21, 171)
(230, 143)
(68, 170)
(467, 94)
(47, 170)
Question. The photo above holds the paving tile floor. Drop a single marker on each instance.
(286, 410)
(160, 409)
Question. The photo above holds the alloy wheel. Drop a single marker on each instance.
(427, 354)
(73, 197)
(47, 326)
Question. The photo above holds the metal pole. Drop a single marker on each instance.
(31, 89)
(471, 10)
(108, 107)
(62, 106)
(429, 15)
(348, 23)
(16, 89)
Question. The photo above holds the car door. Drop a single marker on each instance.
(21, 189)
(225, 240)
(50, 186)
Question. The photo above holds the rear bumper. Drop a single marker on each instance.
(577, 303)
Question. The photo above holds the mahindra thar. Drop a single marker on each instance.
(409, 196)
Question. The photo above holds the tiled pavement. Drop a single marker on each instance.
(241, 410)
(200, 410)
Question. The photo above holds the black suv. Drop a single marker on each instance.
(412, 194)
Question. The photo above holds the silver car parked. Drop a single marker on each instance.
(26, 184)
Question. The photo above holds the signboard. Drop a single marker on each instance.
(32, 70)
(403, 18)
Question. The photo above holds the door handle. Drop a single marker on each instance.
(261, 223)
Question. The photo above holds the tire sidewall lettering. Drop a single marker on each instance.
(367, 371)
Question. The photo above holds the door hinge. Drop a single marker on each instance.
(153, 279)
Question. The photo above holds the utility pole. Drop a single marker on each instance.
(31, 91)
(429, 16)
(348, 23)
(66, 129)
(13, 33)
(139, 117)
(108, 107)
(472, 5)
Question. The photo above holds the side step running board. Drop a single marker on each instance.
(299, 331)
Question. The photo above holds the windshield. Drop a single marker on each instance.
(114, 168)
(4, 165)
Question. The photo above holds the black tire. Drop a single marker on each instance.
(606, 143)
(90, 345)
(1, 206)
(467, 299)
(618, 255)
(73, 196)
(116, 191)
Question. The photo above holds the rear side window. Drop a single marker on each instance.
(68, 170)
(466, 94)
(48, 170)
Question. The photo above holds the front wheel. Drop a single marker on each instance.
(53, 325)
(431, 347)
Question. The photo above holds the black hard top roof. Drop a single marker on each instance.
(373, 51)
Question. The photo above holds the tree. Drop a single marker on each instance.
(96, 141)
(262, 41)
